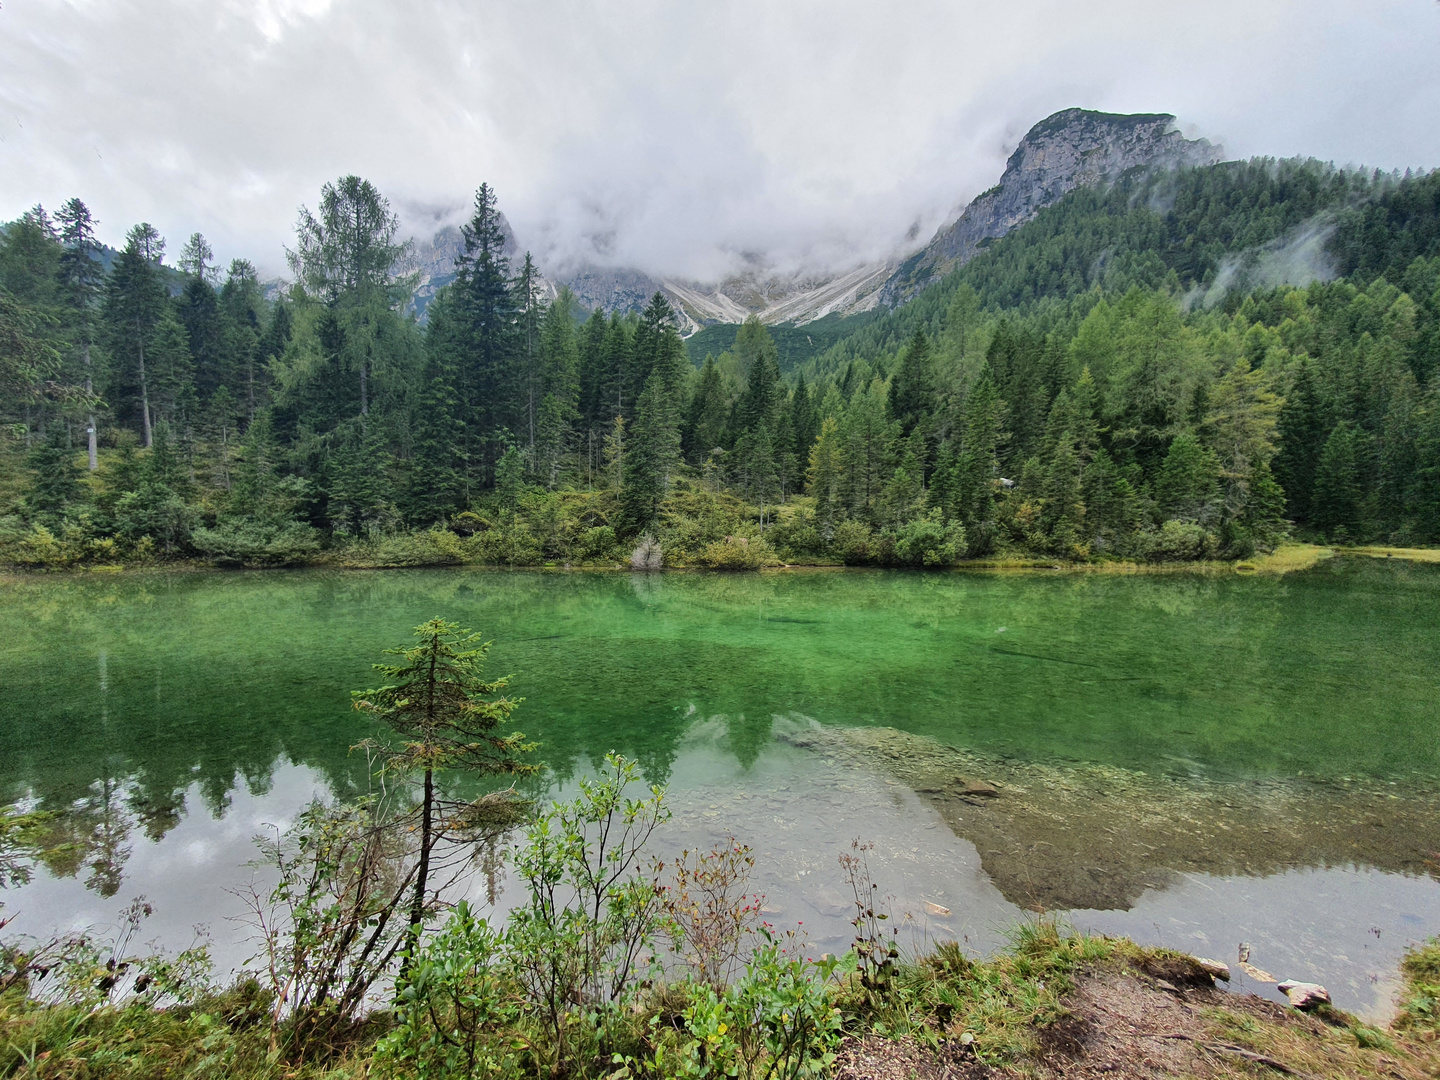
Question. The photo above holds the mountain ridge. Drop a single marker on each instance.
(1068, 149)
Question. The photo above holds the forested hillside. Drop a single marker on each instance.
(1122, 377)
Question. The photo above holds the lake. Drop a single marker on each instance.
(1196, 760)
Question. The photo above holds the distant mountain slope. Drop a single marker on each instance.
(1212, 232)
(1073, 148)
(794, 344)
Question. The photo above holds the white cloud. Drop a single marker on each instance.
(671, 136)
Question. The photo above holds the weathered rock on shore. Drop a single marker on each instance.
(1305, 996)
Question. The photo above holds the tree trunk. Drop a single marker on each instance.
(144, 391)
(422, 873)
(91, 433)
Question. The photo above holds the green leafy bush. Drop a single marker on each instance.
(453, 1005)
(929, 541)
(736, 553)
(248, 542)
(1181, 541)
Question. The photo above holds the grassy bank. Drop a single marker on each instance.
(1046, 1006)
(440, 550)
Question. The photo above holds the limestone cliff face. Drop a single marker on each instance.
(1071, 149)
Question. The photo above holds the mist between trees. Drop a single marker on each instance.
(1120, 378)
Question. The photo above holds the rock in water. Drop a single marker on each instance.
(1214, 968)
(1304, 996)
(977, 789)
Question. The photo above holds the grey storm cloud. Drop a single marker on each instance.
(679, 138)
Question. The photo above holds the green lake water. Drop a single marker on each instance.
(171, 715)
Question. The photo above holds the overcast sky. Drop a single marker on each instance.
(670, 136)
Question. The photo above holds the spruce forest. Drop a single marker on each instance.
(1121, 378)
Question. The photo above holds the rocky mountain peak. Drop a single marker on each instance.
(1070, 149)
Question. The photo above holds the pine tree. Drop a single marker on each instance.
(1188, 485)
(56, 486)
(804, 421)
(449, 715)
(825, 475)
(134, 304)
(530, 308)
(346, 258)
(652, 451)
(436, 477)
(595, 412)
(977, 465)
(356, 484)
(760, 362)
(869, 446)
(81, 281)
(614, 453)
(912, 390)
(205, 331)
(1335, 497)
(30, 255)
(618, 393)
(705, 425)
(1062, 506)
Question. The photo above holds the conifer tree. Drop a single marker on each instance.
(705, 425)
(134, 304)
(595, 411)
(57, 481)
(81, 281)
(977, 464)
(824, 476)
(1188, 486)
(1335, 498)
(804, 422)
(912, 390)
(450, 718)
(1302, 433)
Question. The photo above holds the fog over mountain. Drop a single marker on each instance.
(689, 142)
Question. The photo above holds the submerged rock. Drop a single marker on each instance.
(977, 789)
(1055, 836)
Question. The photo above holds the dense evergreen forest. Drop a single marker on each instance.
(1122, 377)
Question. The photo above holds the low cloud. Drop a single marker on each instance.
(683, 139)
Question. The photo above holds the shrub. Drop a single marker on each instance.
(580, 939)
(452, 1004)
(929, 541)
(775, 1022)
(1180, 541)
(597, 544)
(155, 511)
(40, 548)
(736, 553)
(853, 542)
(248, 542)
(712, 917)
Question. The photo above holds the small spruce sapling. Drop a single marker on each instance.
(449, 717)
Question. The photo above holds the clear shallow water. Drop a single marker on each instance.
(173, 715)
